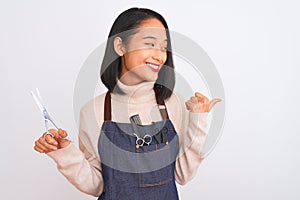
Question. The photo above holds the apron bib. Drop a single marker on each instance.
(131, 171)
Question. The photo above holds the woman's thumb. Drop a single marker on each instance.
(62, 140)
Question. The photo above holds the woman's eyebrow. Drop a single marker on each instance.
(152, 37)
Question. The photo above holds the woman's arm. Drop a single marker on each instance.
(81, 167)
(191, 140)
(191, 127)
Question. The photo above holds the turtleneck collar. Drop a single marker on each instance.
(139, 93)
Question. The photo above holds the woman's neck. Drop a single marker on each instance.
(138, 93)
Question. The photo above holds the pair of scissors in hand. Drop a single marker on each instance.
(38, 99)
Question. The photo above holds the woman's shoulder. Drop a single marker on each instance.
(175, 103)
(176, 110)
(174, 99)
(95, 104)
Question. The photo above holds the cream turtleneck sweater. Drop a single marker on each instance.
(81, 166)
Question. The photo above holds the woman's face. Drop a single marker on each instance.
(145, 53)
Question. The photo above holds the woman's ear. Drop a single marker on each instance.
(119, 46)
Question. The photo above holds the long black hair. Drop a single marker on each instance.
(124, 27)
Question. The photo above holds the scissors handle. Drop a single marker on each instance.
(47, 129)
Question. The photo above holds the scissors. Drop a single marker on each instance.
(140, 141)
(38, 100)
(147, 139)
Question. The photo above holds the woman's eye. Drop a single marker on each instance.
(150, 44)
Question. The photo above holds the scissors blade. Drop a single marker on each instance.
(51, 120)
(38, 102)
(40, 98)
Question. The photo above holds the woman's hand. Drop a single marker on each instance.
(46, 143)
(200, 103)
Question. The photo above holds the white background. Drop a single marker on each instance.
(254, 45)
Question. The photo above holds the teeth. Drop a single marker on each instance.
(153, 66)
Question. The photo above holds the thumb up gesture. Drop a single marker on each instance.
(200, 103)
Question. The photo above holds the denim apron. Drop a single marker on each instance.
(132, 171)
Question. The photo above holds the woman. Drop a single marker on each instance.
(117, 159)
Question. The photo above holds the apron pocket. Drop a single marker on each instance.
(155, 165)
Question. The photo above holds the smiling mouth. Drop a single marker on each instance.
(153, 67)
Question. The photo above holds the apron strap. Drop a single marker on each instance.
(163, 110)
(107, 108)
